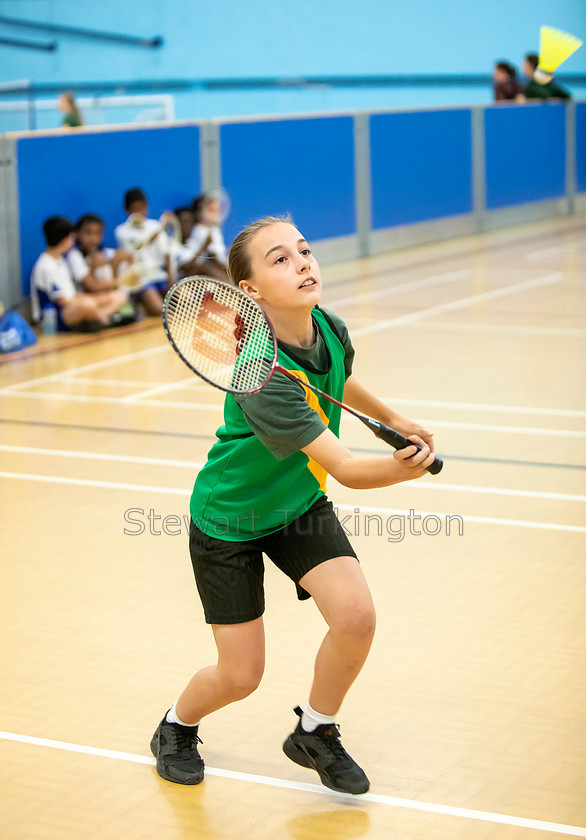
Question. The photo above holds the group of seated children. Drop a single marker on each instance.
(75, 277)
(507, 86)
(93, 287)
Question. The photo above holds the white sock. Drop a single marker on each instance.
(312, 719)
(173, 717)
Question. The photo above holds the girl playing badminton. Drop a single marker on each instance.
(262, 490)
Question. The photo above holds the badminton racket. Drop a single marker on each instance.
(146, 265)
(225, 203)
(212, 207)
(222, 334)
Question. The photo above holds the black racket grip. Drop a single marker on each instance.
(398, 441)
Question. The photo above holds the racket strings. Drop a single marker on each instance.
(221, 333)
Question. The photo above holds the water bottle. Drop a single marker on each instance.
(49, 320)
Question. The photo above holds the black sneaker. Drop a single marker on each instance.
(322, 750)
(122, 319)
(88, 326)
(175, 748)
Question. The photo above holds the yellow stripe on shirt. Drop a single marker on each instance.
(318, 472)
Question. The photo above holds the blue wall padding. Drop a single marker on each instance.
(301, 166)
(421, 166)
(525, 147)
(581, 146)
(88, 173)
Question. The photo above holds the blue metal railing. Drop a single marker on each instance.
(82, 32)
(49, 46)
(274, 82)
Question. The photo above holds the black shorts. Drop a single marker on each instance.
(229, 575)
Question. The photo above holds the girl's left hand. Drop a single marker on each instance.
(407, 428)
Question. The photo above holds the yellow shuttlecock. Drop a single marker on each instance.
(555, 47)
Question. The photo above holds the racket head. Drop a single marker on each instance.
(221, 333)
(137, 275)
(130, 278)
(136, 220)
(171, 226)
(206, 214)
(225, 203)
(145, 267)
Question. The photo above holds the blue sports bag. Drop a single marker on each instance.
(15, 333)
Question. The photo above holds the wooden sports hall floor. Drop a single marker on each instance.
(469, 716)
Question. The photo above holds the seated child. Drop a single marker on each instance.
(206, 240)
(94, 268)
(186, 222)
(52, 284)
(187, 263)
(146, 240)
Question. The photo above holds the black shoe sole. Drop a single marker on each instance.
(297, 755)
(124, 321)
(163, 773)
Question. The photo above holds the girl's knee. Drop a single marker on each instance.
(242, 683)
(356, 624)
(241, 658)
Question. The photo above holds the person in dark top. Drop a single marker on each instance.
(535, 90)
(506, 83)
(73, 118)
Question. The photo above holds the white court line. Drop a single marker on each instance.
(92, 380)
(462, 303)
(175, 491)
(85, 398)
(544, 253)
(439, 424)
(519, 430)
(108, 485)
(408, 286)
(117, 360)
(99, 456)
(505, 409)
(192, 383)
(159, 389)
(485, 427)
(482, 520)
(498, 491)
(485, 407)
(563, 332)
(287, 784)
(165, 462)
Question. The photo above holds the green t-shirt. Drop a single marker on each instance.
(256, 479)
(285, 431)
(72, 119)
(549, 91)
